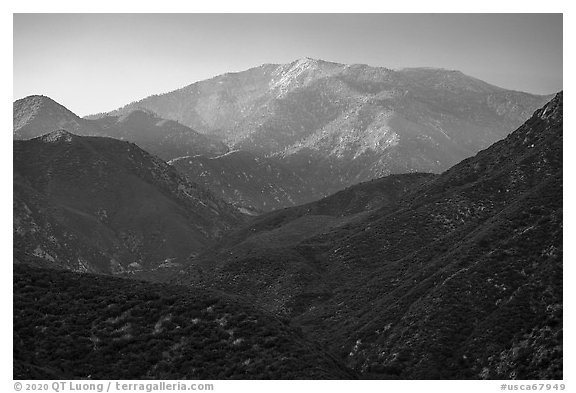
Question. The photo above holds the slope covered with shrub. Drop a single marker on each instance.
(81, 326)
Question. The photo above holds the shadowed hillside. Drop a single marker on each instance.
(254, 183)
(103, 205)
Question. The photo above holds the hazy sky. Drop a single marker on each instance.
(98, 62)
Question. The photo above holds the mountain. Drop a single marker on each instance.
(103, 205)
(253, 183)
(37, 115)
(453, 276)
(346, 124)
(83, 326)
(167, 139)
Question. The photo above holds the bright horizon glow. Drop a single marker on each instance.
(94, 63)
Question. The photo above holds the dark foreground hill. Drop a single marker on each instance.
(82, 326)
(457, 277)
(103, 205)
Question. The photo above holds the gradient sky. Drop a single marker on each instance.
(97, 62)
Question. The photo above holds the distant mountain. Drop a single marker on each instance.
(167, 139)
(37, 115)
(346, 124)
(102, 205)
(253, 183)
(72, 326)
(454, 276)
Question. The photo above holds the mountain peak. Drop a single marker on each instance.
(307, 60)
(38, 103)
(58, 136)
(303, 63)
(37, 114)
(299, 73)
(314, 63)
(38, 98)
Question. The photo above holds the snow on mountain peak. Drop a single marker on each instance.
(299, 73)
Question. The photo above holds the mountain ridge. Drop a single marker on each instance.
(37, 115)
(104, 205)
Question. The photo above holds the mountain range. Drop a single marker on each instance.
(38, 115)
(316, 127)
(306, 220)
(344, 124)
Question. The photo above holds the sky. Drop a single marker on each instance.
(93, 63)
